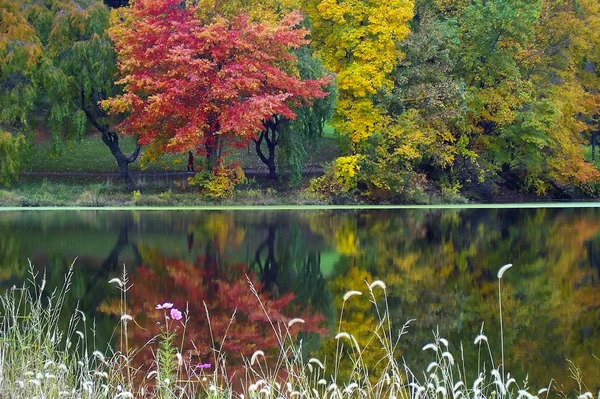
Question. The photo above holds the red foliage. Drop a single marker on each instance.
(191, 285)
(193, 86)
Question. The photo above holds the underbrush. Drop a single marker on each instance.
(37, 359)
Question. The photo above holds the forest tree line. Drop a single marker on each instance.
(461, 93)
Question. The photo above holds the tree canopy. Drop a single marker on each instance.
(20, 52)
(57, 64)
(480, 93)
(204, 87)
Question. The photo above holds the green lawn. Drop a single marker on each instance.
(587, 155)
(329, 131)
(91, 155)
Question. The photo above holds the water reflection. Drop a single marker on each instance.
(439, 266)
(212, 293)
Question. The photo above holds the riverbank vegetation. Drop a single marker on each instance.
(464, 98)
(37, 358)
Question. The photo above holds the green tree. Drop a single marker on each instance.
(526, 89)
(77, 71)
(297, 137)
(495, 89)
(20, 52)
(56, 61)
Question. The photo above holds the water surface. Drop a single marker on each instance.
(439, 266)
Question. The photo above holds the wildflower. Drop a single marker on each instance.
(175, 314)
(166, 305)
(480, 338)
(99, 355)
(448, 356)
(431, 346)
(523, 392)
(342, 335)
(117, 281)
(432, 366)
(317, 362)
(203, 366)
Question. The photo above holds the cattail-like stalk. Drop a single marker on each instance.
(501, 272)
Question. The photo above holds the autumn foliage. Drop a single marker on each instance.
(204, 87)
(237, 321)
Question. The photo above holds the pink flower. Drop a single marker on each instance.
(175, 314)
(166, 305)
(203, 366)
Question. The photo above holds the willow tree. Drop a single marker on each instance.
(297, 137)
(57, 60)
(20, 52)
(79, 71)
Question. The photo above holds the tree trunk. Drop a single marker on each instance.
(270, 137)
(593, 146)
(97, 117)
(213, 147)
(269, 268)
(111, 139)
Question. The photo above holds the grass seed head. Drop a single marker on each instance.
(350, 294)
(503, 270)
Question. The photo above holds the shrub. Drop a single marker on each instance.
(220, 183)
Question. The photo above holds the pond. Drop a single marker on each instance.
(440, 267)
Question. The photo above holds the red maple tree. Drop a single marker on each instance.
(189, 86)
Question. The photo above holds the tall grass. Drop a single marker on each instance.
(37, 359)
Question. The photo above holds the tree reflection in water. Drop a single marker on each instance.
(439, 266)
(211, 284)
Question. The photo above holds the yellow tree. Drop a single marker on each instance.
(563, 65)
(263, 11)
(358, 41)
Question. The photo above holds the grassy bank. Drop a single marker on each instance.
(91, 155)
(112, 193)
(99, 191)
(37, 359)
